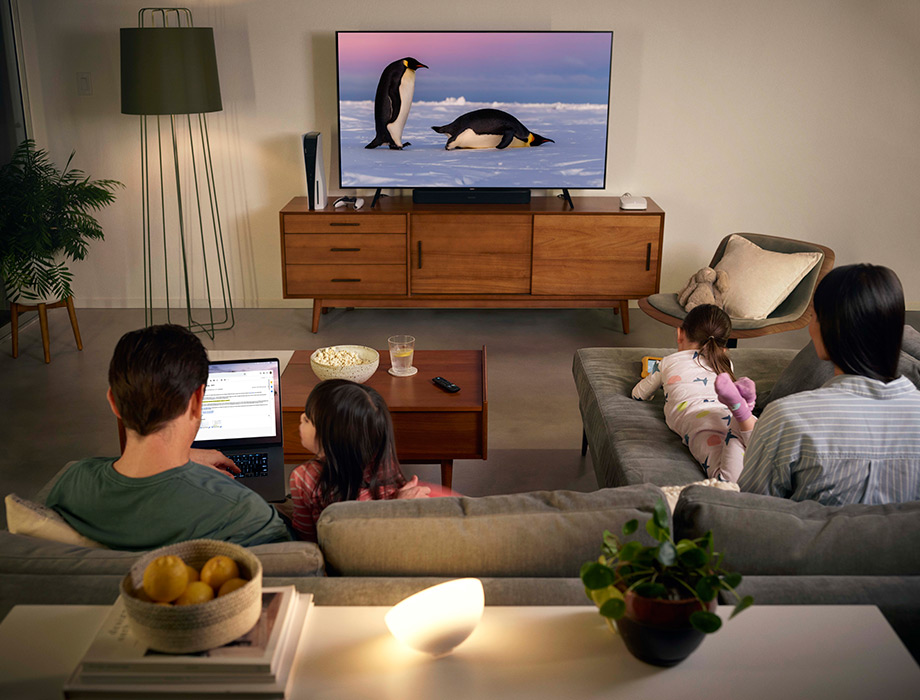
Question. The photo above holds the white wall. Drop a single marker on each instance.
(798, 118)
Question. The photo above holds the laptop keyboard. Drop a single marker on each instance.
(251, 464)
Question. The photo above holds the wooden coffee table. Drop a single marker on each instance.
(430, 424)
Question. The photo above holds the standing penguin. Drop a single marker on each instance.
(488, 128)
(394, 98)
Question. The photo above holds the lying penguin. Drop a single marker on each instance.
(488, 128)
(394, 98)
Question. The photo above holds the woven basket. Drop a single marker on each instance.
(184, 629)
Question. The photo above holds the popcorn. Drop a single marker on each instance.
(335, 357)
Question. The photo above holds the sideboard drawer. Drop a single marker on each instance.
(336, 280)
(352, 248)
(344, 223)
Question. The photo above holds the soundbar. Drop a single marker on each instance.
(470, 195)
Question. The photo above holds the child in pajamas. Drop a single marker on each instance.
(692, 407)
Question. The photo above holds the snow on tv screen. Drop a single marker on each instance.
(497, 95)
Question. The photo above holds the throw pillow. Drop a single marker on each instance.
(672, 493)
(35, 520)
(762, 278)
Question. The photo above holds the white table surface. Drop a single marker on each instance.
(775, 652)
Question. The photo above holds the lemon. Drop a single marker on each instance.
(195, 592)
(231, 585)
(192, 573)
(165, 578)
(218, 570)
(402, 353)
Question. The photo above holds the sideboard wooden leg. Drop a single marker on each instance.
(317, 310)
(624, 314)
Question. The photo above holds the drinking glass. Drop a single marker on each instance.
(402, 348)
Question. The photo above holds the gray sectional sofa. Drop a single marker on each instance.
(788, 552)
(528, 548)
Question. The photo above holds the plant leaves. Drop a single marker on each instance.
(705, 621)
(732, 580)
(655, 532)
(745, 602)
(707, 588)
(693, 558)
(661, 516)
(596, 576)
(630, 526)
(667, 554)
(647, 589)
(614, 608)
(630, 550)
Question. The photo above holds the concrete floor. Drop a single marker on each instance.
(50, 414)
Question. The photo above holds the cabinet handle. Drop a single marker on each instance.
(344, 250)
(343, 223)
(648, 257)
(419, 255)
(346, 279)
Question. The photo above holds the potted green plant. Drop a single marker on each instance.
(45, 218)
(662, 596)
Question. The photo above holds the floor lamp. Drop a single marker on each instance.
(169, 71)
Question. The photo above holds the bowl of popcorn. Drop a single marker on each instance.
(355, 362)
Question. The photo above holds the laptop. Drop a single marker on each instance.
(241, 417)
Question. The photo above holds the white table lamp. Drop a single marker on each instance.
(439, 618)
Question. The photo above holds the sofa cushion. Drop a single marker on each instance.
(20, 554)
(807, 372)
(24, 517)
(539, 534)
(760, 280)
(764, 535)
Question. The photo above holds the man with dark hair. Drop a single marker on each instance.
(160, 490)
(857, 438)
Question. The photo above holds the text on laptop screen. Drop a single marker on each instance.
(238, 404)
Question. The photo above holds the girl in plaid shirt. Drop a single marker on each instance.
(349, 429)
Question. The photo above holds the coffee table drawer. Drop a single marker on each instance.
(336, 280)
(438, 435)
(347, 249)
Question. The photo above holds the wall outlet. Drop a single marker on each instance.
(84, 84)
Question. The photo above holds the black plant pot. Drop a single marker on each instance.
(659, 631)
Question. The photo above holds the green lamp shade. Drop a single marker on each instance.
(169, 70)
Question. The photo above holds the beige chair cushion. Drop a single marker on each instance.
(35, 520)
(759, 280)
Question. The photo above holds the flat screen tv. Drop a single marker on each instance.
(488, 109)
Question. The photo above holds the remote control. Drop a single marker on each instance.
(447, 386)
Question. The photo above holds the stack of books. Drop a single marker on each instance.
(256, 666)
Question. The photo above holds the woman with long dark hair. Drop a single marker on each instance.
(857, 438)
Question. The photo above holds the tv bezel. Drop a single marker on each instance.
(564, 187)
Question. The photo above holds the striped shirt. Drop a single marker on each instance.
(854, 440)
(308, 504)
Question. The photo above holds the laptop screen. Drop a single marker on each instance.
(242, 404)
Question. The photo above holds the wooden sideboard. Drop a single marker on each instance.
(537, 255)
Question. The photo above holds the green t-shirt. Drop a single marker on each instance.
(184, 503)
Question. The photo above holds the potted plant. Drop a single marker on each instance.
(663, 596)
(45, 218)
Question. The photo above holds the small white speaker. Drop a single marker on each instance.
(316, 180)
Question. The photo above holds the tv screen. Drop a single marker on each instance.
(485, 109)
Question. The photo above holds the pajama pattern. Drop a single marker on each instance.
(693, 411)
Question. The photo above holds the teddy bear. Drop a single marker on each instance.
(708, 286)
